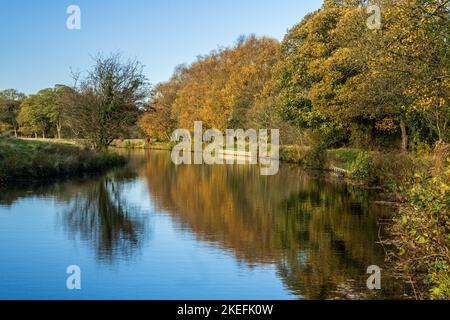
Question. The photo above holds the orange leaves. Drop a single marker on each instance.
(228, 79)
(218, 89)
(387, 125)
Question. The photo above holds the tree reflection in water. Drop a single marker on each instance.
(100, 215)
(321, 235)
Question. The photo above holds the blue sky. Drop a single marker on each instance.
(38, 51)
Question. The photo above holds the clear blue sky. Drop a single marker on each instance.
(38, 51)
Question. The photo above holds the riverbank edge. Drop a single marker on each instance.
(366, 169)
(343, 162)
(33, 160)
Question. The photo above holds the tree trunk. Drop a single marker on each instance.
(58, 129)
(15, 132)
(43, 134)
(438, 127)
(35, 135)
(404, 136)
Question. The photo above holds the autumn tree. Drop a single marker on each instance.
(404, 84)
(343, 3)
(220, 88)
(340, 77)
(335, 75)
(304, 50)
(415, 51)
(59, 114)
(159, 119)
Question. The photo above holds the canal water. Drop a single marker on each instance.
(152, 230)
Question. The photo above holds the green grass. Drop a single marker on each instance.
(139, 144)
(35, 160)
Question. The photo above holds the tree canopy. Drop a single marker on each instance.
(219, 89)
(106, 103)
(10, 101)
(332, 80)
(340, 78)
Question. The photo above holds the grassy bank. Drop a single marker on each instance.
(34, 160)
(140, 144)
(382, 169)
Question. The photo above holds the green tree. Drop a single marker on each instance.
(10, 101)
(106, 103)
(406, 74)
(303, 52)
(58, 111)
(335, 73)
(38, 112)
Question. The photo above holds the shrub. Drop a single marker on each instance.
(316, 157)
(293, 154)
(172, 145)
(422, 230)
(363, 168)
(440, 157)
(393, 170)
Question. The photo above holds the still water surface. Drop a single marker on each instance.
(152, 230)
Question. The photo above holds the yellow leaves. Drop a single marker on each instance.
(426, 102)
(387, 125)
(411, 38)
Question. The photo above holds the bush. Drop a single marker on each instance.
(316, 158)
(363, 168)
(422, 230)
(441, 156)
(393, 170)
(172, 145)
(293, 154)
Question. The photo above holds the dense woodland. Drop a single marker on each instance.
(331, 83)
(331, 80)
